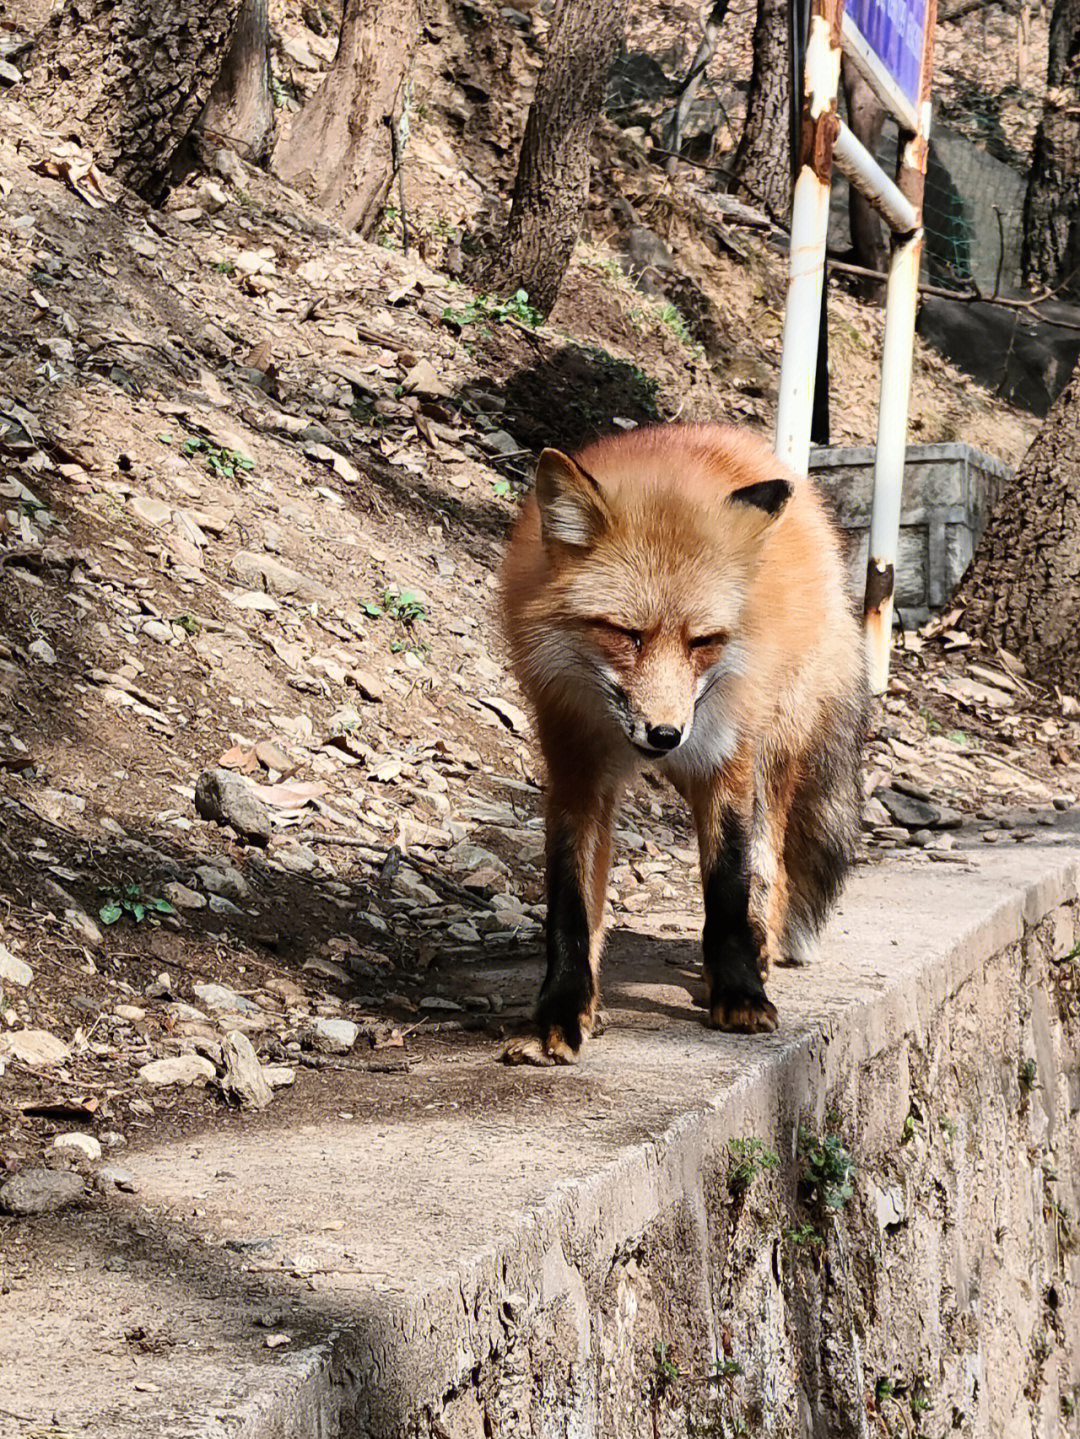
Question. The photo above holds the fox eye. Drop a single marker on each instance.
(706, 642)
(635, 637)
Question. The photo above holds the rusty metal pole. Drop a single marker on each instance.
(898, 345)
(809, 232)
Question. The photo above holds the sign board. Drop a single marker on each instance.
(886, 39)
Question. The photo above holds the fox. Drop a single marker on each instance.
(674, 597)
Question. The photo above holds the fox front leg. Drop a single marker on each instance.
(578, 860)
(733, 950)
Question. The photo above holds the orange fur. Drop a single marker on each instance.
(674, 596)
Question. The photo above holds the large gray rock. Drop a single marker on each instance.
(40, 1191)
(244, 1079)
(227, 798)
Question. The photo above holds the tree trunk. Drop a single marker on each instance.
(692, 84)
(340, 149)
(1052, 204)
(762, 165)
(553, 169)
(1023, 587)
(866, 116)
(240, 112)
(129, 79)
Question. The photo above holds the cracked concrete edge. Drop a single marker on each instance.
(374, 1378)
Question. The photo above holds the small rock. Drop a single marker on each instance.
(228, 165)
(83, 1144)
(297, 858)
(40, 1191)
(130, 1012)
(1064, 801)
(218, 905)
(220, 997)
(36, 1048)
(181, 897)
(333, 1036)
(13, 969)
(423, 379)
(263, 571)
(906, 810)
(244, 1078)
(159, 988)
(158, 630)
(278, 1076)
(500, 442)
(186, 1069)
(226, 798)
(150, 511)
(114, 1176)
(874, 813)
(222, 879)
(42, 651)
(438, 1001)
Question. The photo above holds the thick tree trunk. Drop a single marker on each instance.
(240, 112)
(692, 84)
(1052, 205)
(129, 79)
(762, 165)
(1023, 587)
(866, 116)
(553, 169)
(340, 148)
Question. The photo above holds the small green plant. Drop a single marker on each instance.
(128, 898)
(1041, 1347)
(667, 1365)
(501, 489)
(883, 1389)
(190, 624)
(728, 1368)
(219, 461)
(225, 267)
(419, 648)
(750, 1158)
(489, 309)
(911, 1123)
(404, 606)
(1068, 1405)
(282, 91)
(673, 318)
(827, 1168)
(804, 1236)
(948, 1126)
(920, 1396)
(1027, 1074)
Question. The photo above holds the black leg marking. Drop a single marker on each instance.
(569, 987)
(737, 997)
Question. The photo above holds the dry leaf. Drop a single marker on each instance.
(80, 175)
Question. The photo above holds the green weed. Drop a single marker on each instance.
(750, 1159)
(219, 461)
(827, 1168)
(127, 898)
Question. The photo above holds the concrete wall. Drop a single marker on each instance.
(951, 1276)
(949, 492)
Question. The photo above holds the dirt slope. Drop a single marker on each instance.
(255, 477)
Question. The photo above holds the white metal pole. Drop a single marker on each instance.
(809, 234)
(901, 296)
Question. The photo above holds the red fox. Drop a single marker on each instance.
(674, 596)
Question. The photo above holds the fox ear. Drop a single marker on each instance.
(572, 509)
(770, 496)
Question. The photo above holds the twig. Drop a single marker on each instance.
(967, 297)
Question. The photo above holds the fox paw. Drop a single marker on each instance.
(542, 1051)
(743, 1014)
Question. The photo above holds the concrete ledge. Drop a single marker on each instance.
(470, 1251)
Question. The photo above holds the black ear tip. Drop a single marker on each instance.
(768, 495)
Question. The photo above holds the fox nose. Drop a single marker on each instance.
(663, 736)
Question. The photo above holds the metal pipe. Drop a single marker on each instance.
(858, 166)
(897, 352)
(809, 232)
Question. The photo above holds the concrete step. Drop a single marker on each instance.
(468, 1249)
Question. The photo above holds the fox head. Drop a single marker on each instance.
(644, 611)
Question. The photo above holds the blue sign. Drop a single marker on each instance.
(894, 30)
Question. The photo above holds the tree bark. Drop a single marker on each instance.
(240, 112)
(692, 84)
(1051, 255)
(129, 79)
(1023, 587)
(340, 148)
(762, 164)
(553, 169)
